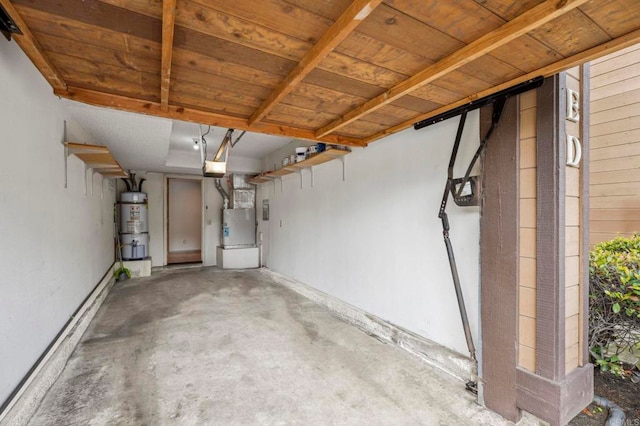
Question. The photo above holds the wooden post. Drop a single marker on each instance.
(562, 383)
(499, 263)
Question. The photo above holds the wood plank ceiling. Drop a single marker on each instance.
(339, 71)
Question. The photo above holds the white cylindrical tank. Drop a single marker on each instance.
(134, 226)
(134, 246)
(133, 213)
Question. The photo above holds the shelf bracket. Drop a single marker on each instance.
(66, 152)
(344, 167)
(311, 171)
(90, 180)
(300, 173)
(66, 156)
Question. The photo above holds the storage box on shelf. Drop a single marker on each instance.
(319, 158)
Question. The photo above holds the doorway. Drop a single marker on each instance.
(184, 221)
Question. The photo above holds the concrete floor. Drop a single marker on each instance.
(206, 346)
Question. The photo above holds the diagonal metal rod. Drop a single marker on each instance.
(456, 283)
(445, 233)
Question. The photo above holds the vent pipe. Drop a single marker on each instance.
(223, 193)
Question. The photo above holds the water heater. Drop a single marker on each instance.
(134, 226)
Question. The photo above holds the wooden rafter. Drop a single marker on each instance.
(168, 25)
(342, 27)
(202, 117)
(526, 22)
(609, 47)
(32, 48)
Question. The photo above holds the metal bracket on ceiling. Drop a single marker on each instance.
(479, 103)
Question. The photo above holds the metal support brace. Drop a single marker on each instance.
(311, 171)
(344, 167)
(498, 107)
(300, 173)
(445, 233)
(498, 101)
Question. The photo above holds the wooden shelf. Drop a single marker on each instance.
(279, 172)
(322, 157)
(260, 179)
(96, 157)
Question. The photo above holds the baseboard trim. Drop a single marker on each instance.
(25, 400)
(432, 353)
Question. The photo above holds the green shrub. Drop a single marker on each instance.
(614, 301)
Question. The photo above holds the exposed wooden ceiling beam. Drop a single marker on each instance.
(604, 49)
(168, 25)
(202, 117)
(32, 48)
(357, 11)
(508, 32)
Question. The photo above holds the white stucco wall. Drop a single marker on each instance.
(56, 243)
(375, 240)
(238, 164)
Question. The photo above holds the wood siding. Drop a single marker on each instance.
(615, 145)
(562, 383)
(528, 226)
